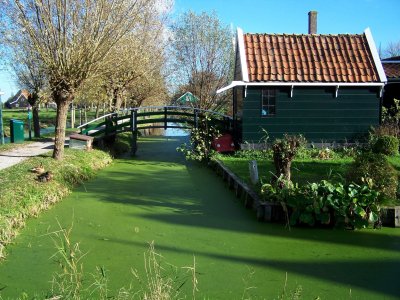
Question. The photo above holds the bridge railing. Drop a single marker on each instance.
(153, 117)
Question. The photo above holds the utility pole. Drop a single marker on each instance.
(1, 120)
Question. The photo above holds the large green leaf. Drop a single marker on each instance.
(359, 211)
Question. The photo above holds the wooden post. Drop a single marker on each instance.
(196, 118)
(165, 117)
(85, 114)
(114, 121)
(107, 123)
(72, 115)
(134, 130)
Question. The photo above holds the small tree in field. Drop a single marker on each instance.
(285, 150)
(73, 40)
(29, 74)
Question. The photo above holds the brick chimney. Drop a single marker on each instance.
(312, 22)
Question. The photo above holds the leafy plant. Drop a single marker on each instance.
(354, 206)
(199, 148)
(377, 168)
(392, 114)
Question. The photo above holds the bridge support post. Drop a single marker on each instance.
(165, 118)
(134, 130)
(196, 118)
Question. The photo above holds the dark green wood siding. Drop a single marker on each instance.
(313, 112)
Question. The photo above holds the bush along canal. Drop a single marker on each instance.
(195, 221)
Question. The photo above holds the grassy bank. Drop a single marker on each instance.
(23, 196)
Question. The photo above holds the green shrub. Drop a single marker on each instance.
(386, 144)
(200, 144)
(122, 144)
(375, 167)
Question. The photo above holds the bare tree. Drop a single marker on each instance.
(203, 53)
(392, 49)
(29, 74)
(73, 39)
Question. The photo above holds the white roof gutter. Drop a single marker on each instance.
(375, 55)
(277, 83)
(242, 55)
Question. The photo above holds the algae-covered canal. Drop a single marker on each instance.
(187, 211)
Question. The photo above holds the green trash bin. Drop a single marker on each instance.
(16, 131)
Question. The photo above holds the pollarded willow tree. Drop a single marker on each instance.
(74, 39)
(139, 59)
(203, 55)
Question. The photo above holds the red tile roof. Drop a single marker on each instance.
(309, 58)
(391, 66)
(392, 70)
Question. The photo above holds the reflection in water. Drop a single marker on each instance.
(167, 132)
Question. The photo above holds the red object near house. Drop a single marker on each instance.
(224, 143)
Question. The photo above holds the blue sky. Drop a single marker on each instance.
(290, 16)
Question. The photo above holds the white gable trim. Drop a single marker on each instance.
(242, 55)
(375, 55)
(294, 84)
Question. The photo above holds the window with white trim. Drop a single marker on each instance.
(268, 102)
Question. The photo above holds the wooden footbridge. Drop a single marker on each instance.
(139, 118)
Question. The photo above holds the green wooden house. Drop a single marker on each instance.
(326, 87)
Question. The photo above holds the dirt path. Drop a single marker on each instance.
(15, 156)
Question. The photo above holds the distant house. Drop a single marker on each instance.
(20, 100)
(392, 89)
(326, 87)
(187, 99)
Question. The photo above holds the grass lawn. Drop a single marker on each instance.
(188, 212)
(303, 170)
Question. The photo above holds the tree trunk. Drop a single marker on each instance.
(33, 100)
(61, 122)
(36, 123)
(97, 111)
(85, 114)
(282, 167)
(117, 100)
